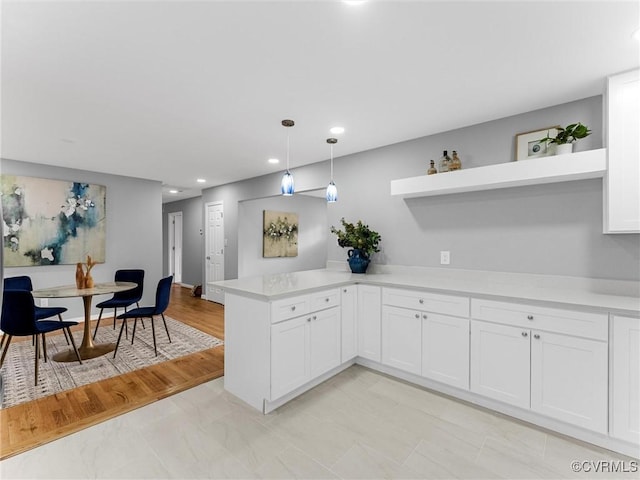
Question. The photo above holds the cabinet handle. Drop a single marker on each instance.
(525, 334)
(314, 317)
(536, 336)
(326, 299)
(345, 290)
(421, 301)
(309, 319)
(529, 317)
(424, 315)
(417, 315)
(293, 308)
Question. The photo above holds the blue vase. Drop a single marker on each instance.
(358, 261)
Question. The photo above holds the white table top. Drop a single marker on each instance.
(565, 291)
(66, 291)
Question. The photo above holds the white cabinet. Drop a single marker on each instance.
(500, 362)
(369, 322)
(420, 334)
(402, 339)
(303, 348)
(622, 181)
(551, 368)
(569, 379)
(445, 349)
(289, 355)
(324, 338)
(625, 391)
(349, 311)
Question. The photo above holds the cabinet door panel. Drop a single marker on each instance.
(325, 341)
(289, 355)
(349, 314)
(500, 362)
(626, 378)
(402, 339)
(622, 182)
(369, 301)
(569, 379)
(445, 349)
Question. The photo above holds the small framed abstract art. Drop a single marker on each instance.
(529, 144)
(280, 234)
(52, 222)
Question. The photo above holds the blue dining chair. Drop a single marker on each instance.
(163, 294)
(19, 319)
(23, 282)
(122, 299)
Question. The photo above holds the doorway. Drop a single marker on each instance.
(214, 254)
(175, 246)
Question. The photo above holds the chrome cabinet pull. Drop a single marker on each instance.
(293, 308)
(326, 299)
(417, 315)
(525, 334)
(424, 315)
(529, 317)
(536, 336)
(421, 301)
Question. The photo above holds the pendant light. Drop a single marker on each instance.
(286, 186)
(332, 191)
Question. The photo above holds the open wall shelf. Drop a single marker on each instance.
(557, 168)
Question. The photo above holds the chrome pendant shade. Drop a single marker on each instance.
(287, 187)
(332, 191)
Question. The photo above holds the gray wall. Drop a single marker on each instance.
(133, 232)
(192, 239)
(312, 235)
(547, 229)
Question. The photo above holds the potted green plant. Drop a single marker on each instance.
(566, 137)
(363, 243)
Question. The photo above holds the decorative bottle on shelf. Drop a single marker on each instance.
(456, 164)
(445, 162)
(432, 168)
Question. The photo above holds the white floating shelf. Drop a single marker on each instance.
(537, 171)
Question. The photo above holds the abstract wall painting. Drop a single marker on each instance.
(51, 222)
(280, 234)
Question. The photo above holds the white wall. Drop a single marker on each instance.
(133, 231)
(312, 235)
(546, 229)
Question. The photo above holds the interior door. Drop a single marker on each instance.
(175, 246)
(214, 251)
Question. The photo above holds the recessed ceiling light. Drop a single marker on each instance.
(336, 130)
(273, 160)
(173, 191)
(354, 2)
(201, 180)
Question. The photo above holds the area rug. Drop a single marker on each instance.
(18, 369)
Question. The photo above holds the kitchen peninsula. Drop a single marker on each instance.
(559, 352)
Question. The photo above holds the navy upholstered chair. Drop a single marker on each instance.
(163, 294)
(23, 282)
(19, 319)
(122, 299)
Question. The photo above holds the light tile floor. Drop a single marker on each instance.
(359, 424)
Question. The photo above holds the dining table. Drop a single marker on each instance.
(88, 349)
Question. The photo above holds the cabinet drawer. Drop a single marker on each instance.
(424, 301)
(289, 308)
(569, 322)
(325, 299)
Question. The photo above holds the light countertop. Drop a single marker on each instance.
(610, 295)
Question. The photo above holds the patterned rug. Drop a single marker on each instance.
(18, 369)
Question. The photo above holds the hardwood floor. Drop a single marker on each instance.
(35, 423)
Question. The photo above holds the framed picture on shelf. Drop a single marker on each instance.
(528, 144)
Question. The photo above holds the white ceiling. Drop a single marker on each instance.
(173, 91)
